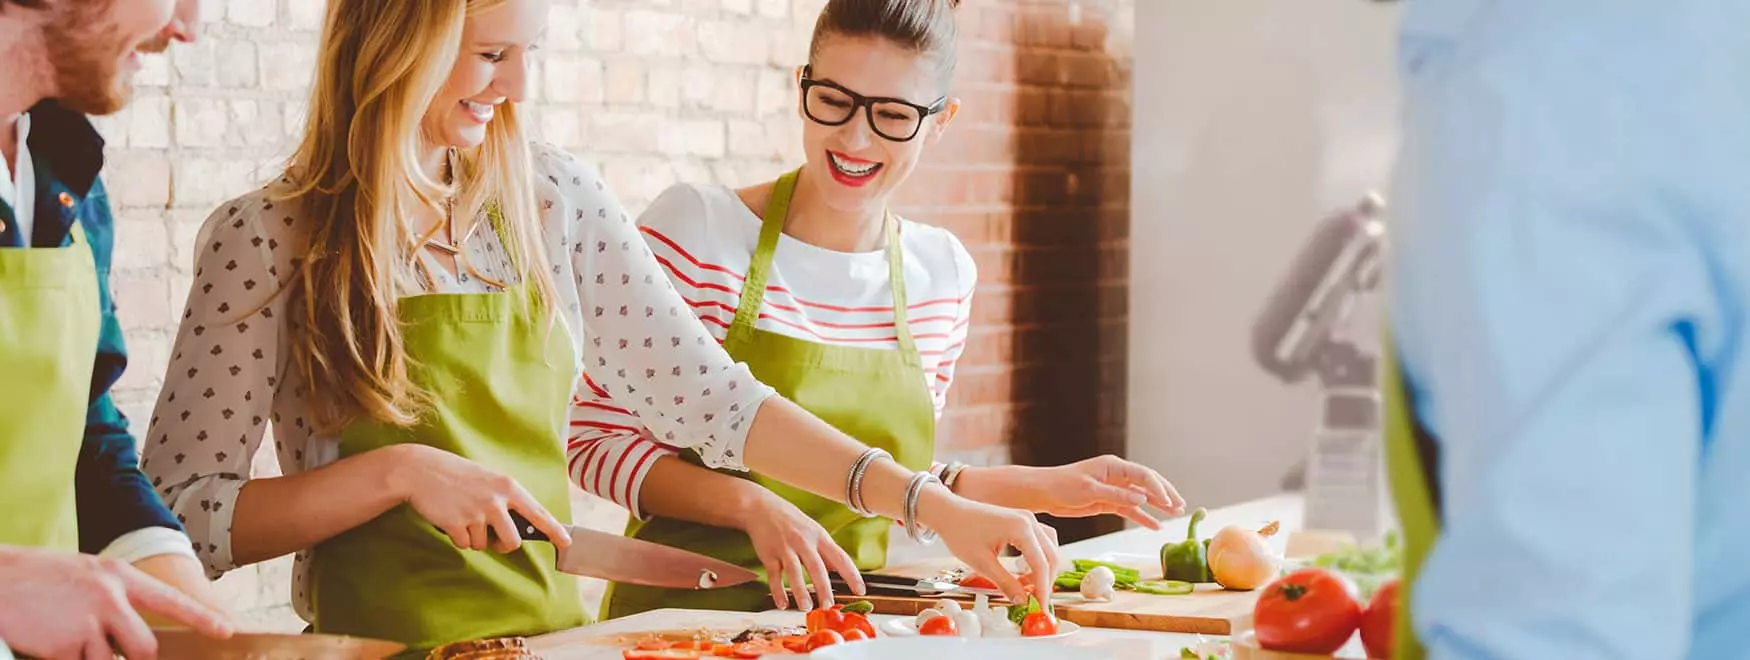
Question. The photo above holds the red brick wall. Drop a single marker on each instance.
(1034, 177)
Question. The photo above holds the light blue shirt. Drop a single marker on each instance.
(1572, 274)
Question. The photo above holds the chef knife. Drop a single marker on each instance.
(624, 559)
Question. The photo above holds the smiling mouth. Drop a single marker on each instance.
(854, 168)
(481, 112)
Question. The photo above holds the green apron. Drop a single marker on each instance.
(500, 380)
(1409, 456)
(879, 397)
(49, 323)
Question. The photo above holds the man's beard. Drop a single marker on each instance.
(87, 54)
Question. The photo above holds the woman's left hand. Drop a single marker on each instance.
(1097, 486)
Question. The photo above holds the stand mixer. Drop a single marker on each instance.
(1298, 333)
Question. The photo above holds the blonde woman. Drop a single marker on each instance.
(411, 306)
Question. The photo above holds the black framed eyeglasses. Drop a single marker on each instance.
(831, 104)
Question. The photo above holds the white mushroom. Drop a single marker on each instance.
(967, 623)
(948, 607)
(1098, 584)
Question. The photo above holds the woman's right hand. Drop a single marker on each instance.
(977, 534)
(792, 545)
(466, 500)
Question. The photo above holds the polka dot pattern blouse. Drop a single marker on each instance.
(229, 382)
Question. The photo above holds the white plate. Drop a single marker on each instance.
(908, 627)
(957, 648)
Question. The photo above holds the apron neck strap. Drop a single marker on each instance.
(753, 290)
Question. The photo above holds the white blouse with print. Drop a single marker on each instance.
(229, 375)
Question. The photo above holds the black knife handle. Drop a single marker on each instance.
(524, 528)
(527, 529)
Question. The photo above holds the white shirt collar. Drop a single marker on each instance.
(18, 189)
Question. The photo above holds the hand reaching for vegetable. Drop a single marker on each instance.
(1097, 486)
(792, 545)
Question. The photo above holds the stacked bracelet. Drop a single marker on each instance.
(913, 491)
(951, 473)
(854, 481)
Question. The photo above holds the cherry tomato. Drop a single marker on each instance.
(1038, 624)
(941, 625)
(978, 582)
(723, 650)
(825, 619)
(857, 623)
(1378, 619)
(824, 639)
(855, 635)
(1311, 610)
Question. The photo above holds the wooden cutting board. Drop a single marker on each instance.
(1210, 610)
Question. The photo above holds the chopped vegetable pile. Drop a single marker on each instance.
(1369, 567)
(1124, 579)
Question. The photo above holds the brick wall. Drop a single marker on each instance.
(1033, 178)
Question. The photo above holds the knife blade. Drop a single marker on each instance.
(922, 587)
(184, 643)
(633, 561)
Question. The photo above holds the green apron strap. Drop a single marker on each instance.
(1408, 472)
(896, 281)
(753, 290)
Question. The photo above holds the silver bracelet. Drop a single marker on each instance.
(854, 481)
(913, 491)
(951, 473)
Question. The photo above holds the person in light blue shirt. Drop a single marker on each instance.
(1569, 312)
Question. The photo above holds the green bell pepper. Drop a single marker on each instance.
(1187, 560)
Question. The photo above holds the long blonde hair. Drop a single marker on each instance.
(356, 175)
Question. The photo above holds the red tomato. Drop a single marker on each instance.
(941, 625)
(798, 644)
(1378, 619)
(723, 650)
(978, 582)
(1038, 624)
(1311, 610)
(825, 618)
(824, 639)
(855, 622)
(854, 635)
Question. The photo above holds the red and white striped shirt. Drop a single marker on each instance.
(704, 237)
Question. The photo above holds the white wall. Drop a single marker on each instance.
(1254, 119)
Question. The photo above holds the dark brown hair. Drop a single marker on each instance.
(925, 26)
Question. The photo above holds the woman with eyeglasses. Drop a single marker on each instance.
(854, 313)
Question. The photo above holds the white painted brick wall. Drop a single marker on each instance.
(653, 92)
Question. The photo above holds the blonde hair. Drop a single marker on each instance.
(356, 174)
